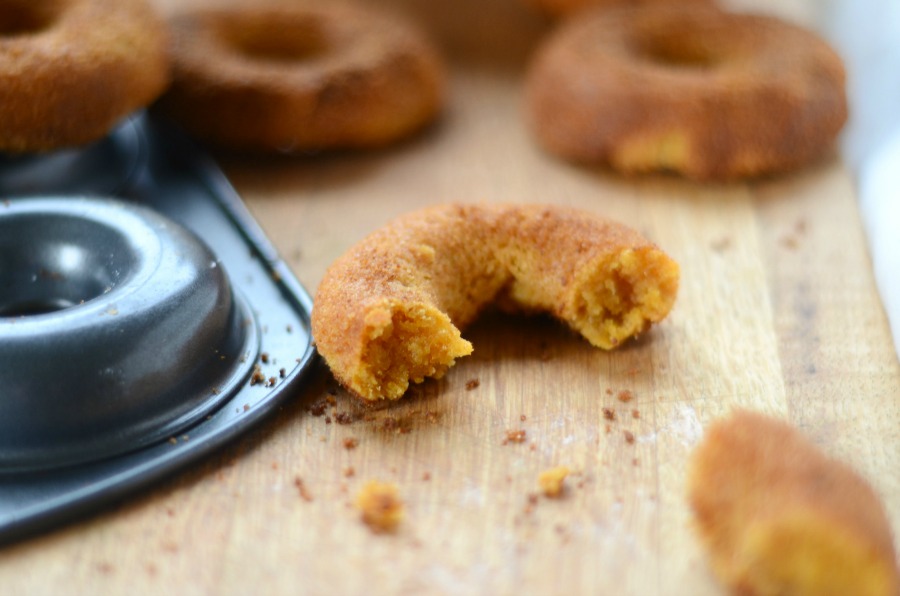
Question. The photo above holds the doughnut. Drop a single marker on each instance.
(390, 309)
(71, 69)
(777, 516)
(690, 89)
(281, 75)
(560, 8)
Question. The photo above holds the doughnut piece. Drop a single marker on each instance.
(71, 69)
(688, 89)
(777, 516)
(281, 75)
(389, 310)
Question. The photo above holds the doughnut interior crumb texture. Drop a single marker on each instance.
(390, 310)
(777, 516)
(70, 70)
(690, 89)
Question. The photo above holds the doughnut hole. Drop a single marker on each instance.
(622, 294)
(280, 43)
(405, 342)
(26, 17)
(801, 552)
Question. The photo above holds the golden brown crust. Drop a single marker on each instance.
(690, 89)
(389, 310)
(777, 516)
(71, 69)
(283, 75)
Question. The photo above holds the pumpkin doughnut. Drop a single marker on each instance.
(390, 309)
(689, 89)
(71, 69)
(282, 75)
(777, 516)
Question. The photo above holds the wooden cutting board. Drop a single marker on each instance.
(777, 312)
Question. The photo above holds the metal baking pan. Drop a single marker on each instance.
(145, 321)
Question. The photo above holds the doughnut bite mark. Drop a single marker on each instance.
(688, 89)
(777, 516)
(281, 75)
(71, 69)
(390, 310)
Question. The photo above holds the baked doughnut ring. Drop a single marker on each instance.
(71, 69)
(689, 89)
(280, 75)
(389, 310)
(779, 517)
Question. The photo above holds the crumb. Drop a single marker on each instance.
(551, 481)
(514, 436)
(272, 381)
(380, 504)
(351, 443)
(609, 414)
(344, 418)
(629, 437)
(635, 414)
(609, 392)
(282, 373)
(349, 472)
(426, 476)
(264, 357)
(301, 488)
(432, 417)
(246, 407)
(635, 462)
(625, 396)
(318, 408)
(472, 384)
(289, 329)
(523, 418)
(327, 419)
(173, 440)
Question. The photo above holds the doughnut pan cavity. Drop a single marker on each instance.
(145, 321)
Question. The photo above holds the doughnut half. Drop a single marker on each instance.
(389, 310)
(777, 516)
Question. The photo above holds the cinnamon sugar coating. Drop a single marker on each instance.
(777, 516)
(690, 89)
(282, 75)
(71, 69)
(390, 310)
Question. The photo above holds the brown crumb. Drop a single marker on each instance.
(246, 407)
(426, 476)
(625, 396)
(609, 392)
(523, 418)
(514, 436)
(351, 443)
(629, 437)
(472, 384)
(551, 481)
(635, 414)
(318, 408)
(344, 418)
(349, 472)
(257, 378)
(301, 488)
(380, 504)
(327, 419)
(282, 373)
(264, 357)
(609, 414)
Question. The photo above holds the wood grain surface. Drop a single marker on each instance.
(777, 312)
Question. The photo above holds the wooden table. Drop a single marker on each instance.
(777, 312)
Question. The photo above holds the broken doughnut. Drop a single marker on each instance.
(777, 516)
(389, 310)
